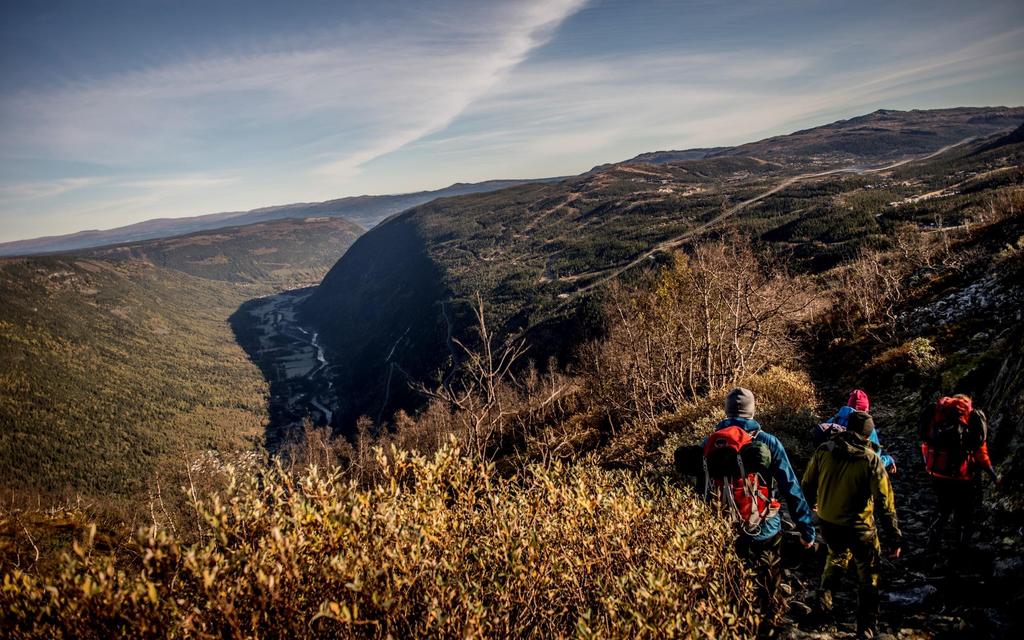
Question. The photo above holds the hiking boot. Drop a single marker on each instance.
(821, 613)
(816, 621)
(824, 602)
(867, 626)
(767, 630)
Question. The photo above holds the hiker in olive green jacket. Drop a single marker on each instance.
(845, 478)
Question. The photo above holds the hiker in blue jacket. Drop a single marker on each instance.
(858, 401)
(762, 551)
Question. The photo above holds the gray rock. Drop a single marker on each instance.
(914, 596)
(1008, 567)
(799, 608)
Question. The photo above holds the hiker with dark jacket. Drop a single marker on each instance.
(761, 550)
(845, 479)
(858, 401)
(954, 445)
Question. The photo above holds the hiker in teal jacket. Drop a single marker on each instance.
(739, 411)
(762, 551)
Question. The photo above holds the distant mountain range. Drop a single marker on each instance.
(366, 211)
(879, 135)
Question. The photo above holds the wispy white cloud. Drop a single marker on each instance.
(188, 181)
(26, 191)
(425, 95)
(307, 114)
(627, 104)
(100, 202)
(498, 44)
(348, 98)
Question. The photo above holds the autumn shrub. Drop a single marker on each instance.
(912, 361)
(786, 406)
(494, 399)
(315, 445)
(712, 318)
(439, 547)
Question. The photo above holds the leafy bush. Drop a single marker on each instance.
(917, 358)
(923, 356)
(786, 403)
(441, 547)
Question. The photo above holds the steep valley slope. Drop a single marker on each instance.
(539, 253)
(114, 374)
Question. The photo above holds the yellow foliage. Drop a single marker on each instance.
(440, 547)
(782, 390)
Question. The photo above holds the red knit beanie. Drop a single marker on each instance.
(858, 400)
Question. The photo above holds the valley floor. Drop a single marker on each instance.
(292, 359)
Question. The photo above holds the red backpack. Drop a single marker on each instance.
(950, 443)
(733, 463)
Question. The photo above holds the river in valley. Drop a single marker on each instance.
(293, 360)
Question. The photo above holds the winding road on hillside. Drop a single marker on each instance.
(606, 275)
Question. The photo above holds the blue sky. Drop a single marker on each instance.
(116, 112)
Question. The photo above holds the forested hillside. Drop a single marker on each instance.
(114, 374)
(539, 253)
(119, 366)
(282, 253)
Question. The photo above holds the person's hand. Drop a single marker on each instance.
(895, 552)
(892, 469)
(998, 480)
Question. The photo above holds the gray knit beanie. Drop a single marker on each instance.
(860, 423)
(739, 403)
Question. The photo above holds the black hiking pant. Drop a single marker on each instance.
(956, 498)
(862, 546)
(764, 558)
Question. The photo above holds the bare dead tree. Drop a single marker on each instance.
(712, 318)
(480, 394)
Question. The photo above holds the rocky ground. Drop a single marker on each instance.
(925, 595)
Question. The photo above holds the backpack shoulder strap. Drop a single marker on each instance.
(977, 428)
(925, 420)
(979, 418)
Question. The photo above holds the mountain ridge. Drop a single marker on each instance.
(364, 210)
(1001, 114)
(286, 252)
